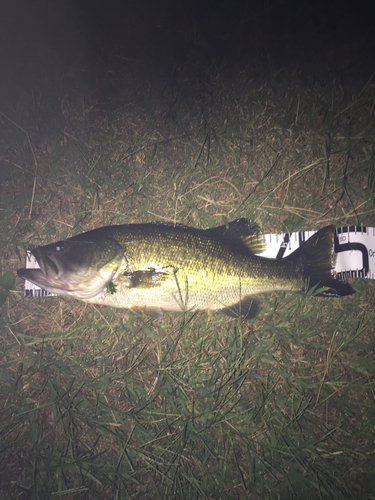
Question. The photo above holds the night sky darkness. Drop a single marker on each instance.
(45, 39)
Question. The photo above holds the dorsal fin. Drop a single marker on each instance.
(240, 232)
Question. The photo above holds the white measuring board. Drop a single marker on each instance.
(354, 246)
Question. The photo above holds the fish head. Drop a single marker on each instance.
(77, 267)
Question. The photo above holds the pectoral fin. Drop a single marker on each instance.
(153, 312)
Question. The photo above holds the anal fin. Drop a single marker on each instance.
(246, 308)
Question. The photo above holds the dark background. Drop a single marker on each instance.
(43, 38)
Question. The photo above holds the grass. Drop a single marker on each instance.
(192, 407)
(102, 403)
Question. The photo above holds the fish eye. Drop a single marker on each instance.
(59, 246)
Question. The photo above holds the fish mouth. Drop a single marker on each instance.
(37, 277)
(54, 279)
(48, 266)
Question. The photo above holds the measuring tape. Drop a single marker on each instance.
(354, 246)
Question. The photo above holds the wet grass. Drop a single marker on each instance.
(102, 403)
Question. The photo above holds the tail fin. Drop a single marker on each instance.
(317, 258)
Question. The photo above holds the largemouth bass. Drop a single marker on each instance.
(159, 266)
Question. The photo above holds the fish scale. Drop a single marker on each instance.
(160, 267)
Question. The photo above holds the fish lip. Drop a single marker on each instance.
(37, 277)
(28, 274)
